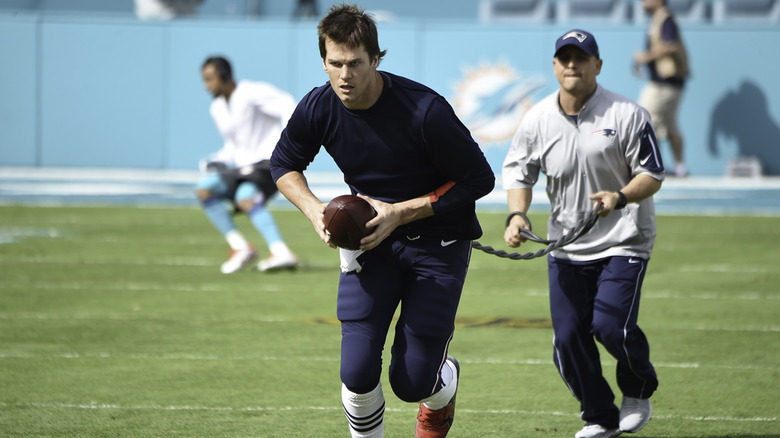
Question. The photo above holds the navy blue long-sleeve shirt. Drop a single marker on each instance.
(408, 144)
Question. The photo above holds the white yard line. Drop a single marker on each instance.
(335, 359)
(116, 406)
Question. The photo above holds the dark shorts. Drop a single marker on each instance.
(258, 174)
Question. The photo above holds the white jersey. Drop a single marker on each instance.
(251, 122)
(611, 141)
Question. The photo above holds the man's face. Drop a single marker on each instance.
(651, 5)
(352, 74)
(212, 80)
(576, 71)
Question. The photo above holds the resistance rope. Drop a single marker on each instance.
(582, 227)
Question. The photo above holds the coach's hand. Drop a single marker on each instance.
(607, 200)
(512, 235)
(640, 187)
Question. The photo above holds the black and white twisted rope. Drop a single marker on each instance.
(582, 227)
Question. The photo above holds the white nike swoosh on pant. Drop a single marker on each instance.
(448, 242)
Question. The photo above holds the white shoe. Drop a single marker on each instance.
(238, 260)
(680, 170)
(592, 430)
(634, 414)
(278, 262)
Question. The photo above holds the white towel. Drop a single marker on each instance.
(349, 261)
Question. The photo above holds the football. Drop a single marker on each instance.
(345, 220)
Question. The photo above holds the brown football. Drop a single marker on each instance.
(345, 220)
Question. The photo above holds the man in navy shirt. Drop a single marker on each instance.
(400, 147)
(666, 62)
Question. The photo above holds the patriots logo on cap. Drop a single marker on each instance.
(574, 34)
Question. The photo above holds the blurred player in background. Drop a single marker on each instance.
(401, 147)
(250, 116)
(666, 61)
(596, 148)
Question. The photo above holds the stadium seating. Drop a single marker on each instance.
(602, 11)
(745, 11)
(564, 12)
(538, 11)
(685, 11)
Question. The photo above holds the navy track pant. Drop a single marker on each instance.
(425, 277)
(599, 301)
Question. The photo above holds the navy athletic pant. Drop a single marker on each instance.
(599, 301)
(425, 277)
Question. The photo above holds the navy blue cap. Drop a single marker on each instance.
(578, 38)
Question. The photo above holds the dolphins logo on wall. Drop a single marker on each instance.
(491, 100)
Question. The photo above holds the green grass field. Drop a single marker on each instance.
(115, 321)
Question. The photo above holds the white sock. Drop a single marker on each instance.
(365, 412)
(236, 240)
(449, 377)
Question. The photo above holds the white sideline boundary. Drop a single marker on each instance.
(317, 177)
(68, 186)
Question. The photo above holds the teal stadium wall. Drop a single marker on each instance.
(109, 90)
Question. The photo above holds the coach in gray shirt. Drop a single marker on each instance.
(597, 149)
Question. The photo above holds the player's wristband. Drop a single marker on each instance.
(522, 215)
(622, 201)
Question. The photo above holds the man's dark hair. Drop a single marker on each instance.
(347, 24)
(222, 66)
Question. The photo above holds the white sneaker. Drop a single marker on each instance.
(680, 170)
(278, 262)
(238, 260)
(634, 414)
(592, 430)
